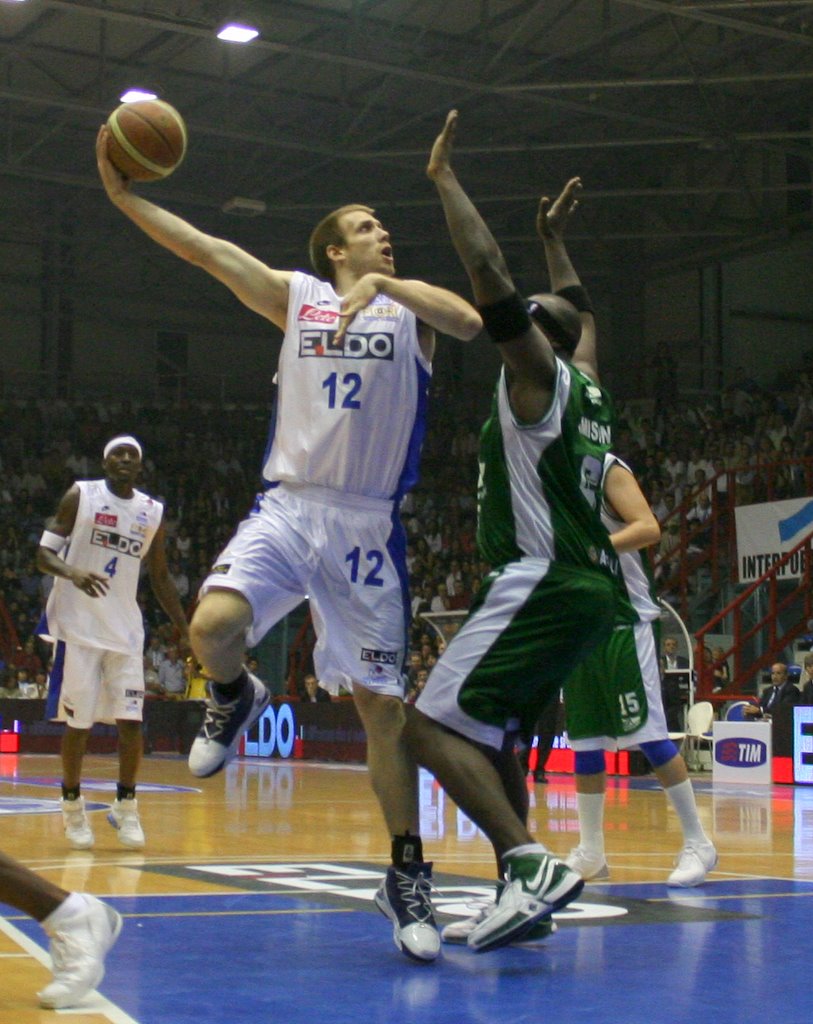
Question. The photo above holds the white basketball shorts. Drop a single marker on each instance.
(97, 685)
(347, 555)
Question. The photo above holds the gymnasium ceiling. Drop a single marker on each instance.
(688, 120)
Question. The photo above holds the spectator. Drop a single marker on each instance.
(312, 692)
(25, 684)
(440, 602)
(782, 691)
(721, 673)
(10, 688)
(415, 690)
(172, 674)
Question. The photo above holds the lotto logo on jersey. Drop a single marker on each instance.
(352, 346)
(105, 519)
(115, 542)
(312, 315)
(379, 657)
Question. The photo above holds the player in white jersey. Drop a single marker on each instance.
(344, 445)
(94, 545)
(614, 702)
(82, 929)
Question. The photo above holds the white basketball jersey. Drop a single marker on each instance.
(110, 537)
(634, 564)
(349, 416)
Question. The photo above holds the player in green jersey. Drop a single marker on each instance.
(613, 699)
(552, 595)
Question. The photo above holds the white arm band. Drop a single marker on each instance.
(53, 541)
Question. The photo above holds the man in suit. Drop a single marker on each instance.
(807, 679)
(671, 658)
(312, 692)
(673, 700)
(781, 691)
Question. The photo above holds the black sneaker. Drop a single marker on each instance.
(403, 897)
(224, 724)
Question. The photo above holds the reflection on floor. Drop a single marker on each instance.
(252, 902)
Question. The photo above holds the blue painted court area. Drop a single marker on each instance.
(732, 952)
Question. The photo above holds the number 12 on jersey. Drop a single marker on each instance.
(345, 390)
(370, 575)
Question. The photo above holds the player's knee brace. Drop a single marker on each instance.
(659, 752)
(589, 762)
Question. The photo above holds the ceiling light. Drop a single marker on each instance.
(238, 33)
(240, 206)
(137, 94)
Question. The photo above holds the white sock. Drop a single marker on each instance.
(682, 799)
(74, 904)
(591, 822)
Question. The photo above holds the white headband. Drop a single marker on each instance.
(122, 439)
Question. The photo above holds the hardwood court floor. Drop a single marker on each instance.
(252, 902)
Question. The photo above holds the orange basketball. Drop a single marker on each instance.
(147, 139)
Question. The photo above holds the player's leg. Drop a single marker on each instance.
(82, 930)
(515, 650)
(124, 816)
(80, 686)
(698, 855)
(590, 727)
(253, 584)
(360, 608)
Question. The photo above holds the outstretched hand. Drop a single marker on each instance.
(440, 159)
(355, 300)
(115, 183)
(552, 218)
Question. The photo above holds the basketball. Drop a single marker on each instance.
(147, 139)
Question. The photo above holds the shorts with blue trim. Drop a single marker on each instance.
(347, 555)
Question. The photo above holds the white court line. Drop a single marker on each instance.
(95, 1002)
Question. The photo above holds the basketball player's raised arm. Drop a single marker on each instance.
(528, 354)
(641, 528)
(551, 221)
(256, 285)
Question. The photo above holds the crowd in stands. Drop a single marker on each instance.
(203, 461)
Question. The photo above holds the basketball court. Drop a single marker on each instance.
(253, 901)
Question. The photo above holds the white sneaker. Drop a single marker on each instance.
(457, 932)
(536, 885)
(589, 865)
(123, 816)
(695, 860)
(219, 737)
(76, 824)
(78, 948)
(404, 897)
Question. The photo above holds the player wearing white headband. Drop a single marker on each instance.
(94, 545)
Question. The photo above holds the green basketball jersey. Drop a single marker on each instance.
(540, 487)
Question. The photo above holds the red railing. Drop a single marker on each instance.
(713, 543)
(772, 642)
